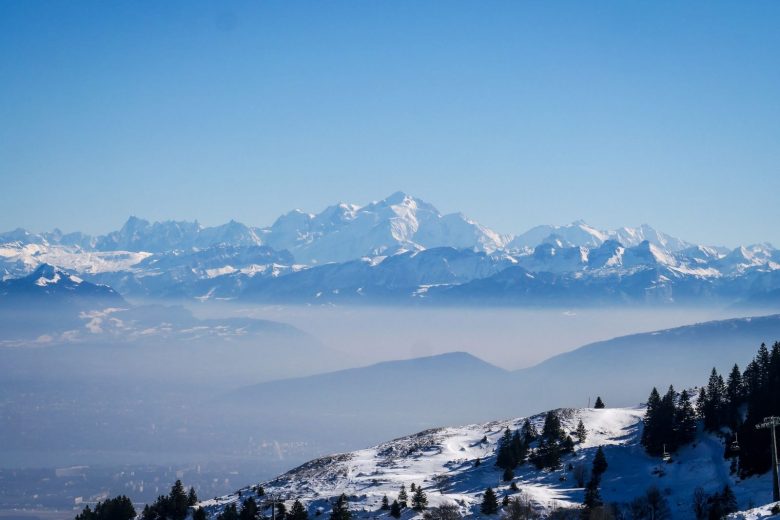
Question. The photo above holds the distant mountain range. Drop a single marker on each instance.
(401, 250)
(465, 388)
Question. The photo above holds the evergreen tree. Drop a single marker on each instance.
(728, 501)
(395, 509)
(599, 403)
(118, 508)
(199, 514)
(581, 433)
(419, 500)
(508, 475)
(504, 457)
(298, 511)
(667, 417)
(600, 464)
(260, 491)
(403, 498)
(528, 432)
(229, 513)
(552, 429)
(192, 497)
(734, 389)
(385, 503)
(505, 501)
(88, 514)
(519, 448)
(714, 405)
(179, 502)
(592, 498)
(477, 462)
(489, 504)
(651, 438)
(341, 510)
(281, 511)
(685, 420)
(412, 488)
(249, 510)
(701, 402)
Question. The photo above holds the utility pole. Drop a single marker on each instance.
(771, 423)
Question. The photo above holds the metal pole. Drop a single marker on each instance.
(775, 483)
(771, 423)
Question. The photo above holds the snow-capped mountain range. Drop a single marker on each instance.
(399, 249)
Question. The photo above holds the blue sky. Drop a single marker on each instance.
(516, 113)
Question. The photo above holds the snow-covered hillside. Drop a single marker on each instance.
(442, 461)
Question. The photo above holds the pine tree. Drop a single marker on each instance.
(504, 458)
(728, 501)
(519, 448)
(600, 464)
(199, 514)
(552, 429)
(395, 509)
(489, 503)
(592, 498)
(735, 396)
(477, 462)
(528, 432)
(117, 508)
(581, 433)
(229, 513)
(701, 402)
(281, 511)
(341, 510)
(88, 514)
(419, 500)
(685, 420)
(508, 475)
(412, 488)
(179, 501)
(192, 497)
(599, 403)
(298, 511)
(714, 406)
(385, 503)
(505, 501)
(260, 490)
(650, 435)
(249, 510)
(402, 497)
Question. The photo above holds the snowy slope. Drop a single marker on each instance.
(442, 461)
(758, 513)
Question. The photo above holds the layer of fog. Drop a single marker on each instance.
(506, 337)
(179, 397)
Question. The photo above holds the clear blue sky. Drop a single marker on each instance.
(516, 113)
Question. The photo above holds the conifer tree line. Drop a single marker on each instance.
(173, 506)
(119, 508)
(736, 404)
(251, 510)
(515, 448)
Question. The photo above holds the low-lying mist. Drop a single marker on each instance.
(211, 395)
(511, 338)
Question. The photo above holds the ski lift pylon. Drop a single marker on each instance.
(735, 444)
